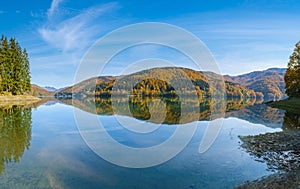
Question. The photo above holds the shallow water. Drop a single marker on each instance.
(58, 157)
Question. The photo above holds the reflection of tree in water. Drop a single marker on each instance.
(291, 121)
(157, 110)
(138, 107)
(15, 133)
(259, 114)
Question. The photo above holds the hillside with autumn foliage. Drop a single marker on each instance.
(260, 85)
(166, 82)
(268, 83)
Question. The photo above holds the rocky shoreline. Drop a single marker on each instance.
(281, 152)
(289, 180)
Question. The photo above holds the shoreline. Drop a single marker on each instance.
(281, 152)
(17, 99)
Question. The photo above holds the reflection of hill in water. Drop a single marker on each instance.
(259, 114)
(15, 133)
(151, 109)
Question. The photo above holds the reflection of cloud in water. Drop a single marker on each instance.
(64, 163)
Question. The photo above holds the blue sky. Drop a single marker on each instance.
(243, 35)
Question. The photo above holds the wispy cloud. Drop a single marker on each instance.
(75, 33)
(54, 7)
(64, 36)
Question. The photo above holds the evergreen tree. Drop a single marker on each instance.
(14, 67)
(292, 76)
(5, 64)
(1, 64)
(26, 72)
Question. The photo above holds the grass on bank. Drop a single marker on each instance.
(7, 99)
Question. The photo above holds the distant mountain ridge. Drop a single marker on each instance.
(40, 91)
(269, 82)
(50, 89)
(53, 89)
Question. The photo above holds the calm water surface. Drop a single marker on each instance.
(42, 148)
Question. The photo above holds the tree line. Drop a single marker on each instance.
(292, 76)
(14, 67)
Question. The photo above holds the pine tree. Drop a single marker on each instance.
(5, 64)
(1, 64)
(14, 67)
(26, 72)
(292, 76)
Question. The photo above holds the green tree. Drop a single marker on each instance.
(14, 67)
(292, 76)
(26, 71)
(5, 64)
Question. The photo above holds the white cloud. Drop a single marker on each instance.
(75, 33)
(66, 35)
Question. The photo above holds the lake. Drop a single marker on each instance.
(41, 146)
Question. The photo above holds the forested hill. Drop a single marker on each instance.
(158, 83)
(269, 82)
(40, 92)
(266, 85)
